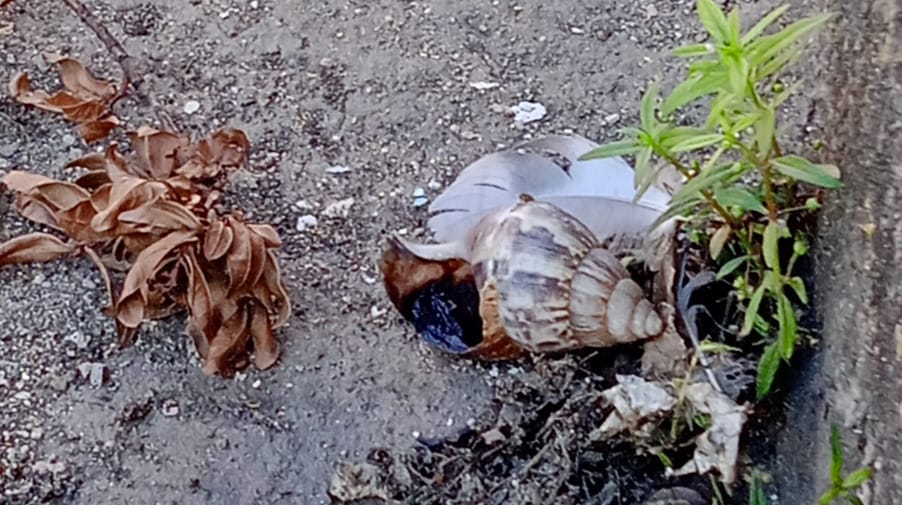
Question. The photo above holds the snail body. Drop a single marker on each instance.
(545, 283)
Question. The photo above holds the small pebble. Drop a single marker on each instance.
(419, 197)
(306, 221)
(170, 408)
(68, 140)
(191, 106)
(481, 85)
(338, 169)
(527, 112)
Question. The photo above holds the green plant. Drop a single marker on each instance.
(842, 488)
(740, 187)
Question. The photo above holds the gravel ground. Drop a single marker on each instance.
(383, 88)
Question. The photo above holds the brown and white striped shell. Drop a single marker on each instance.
(545, 283)
(556, 287)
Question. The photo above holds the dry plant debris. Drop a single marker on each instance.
(640, 406)
(84, 100)
(157, 212)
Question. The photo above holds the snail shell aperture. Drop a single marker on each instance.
(544, 281)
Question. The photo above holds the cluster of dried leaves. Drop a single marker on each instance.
(155, 213)
(85, 100)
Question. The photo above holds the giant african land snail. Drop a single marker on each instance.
(539, 275)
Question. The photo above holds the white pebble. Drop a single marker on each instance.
(306, 221)
(527, 112)
(191, 106)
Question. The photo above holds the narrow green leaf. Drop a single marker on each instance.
(764, 131)
(735, 26)
(779, 62)
(767, 47)
(731, 266)
(828, 497)
(756, 493)
(665, 460)
(698, 142)
(647, 111)
(693, 50)
(714, 20)
(762, 25)
(767, 370)
(739, 75)
(722, 104)
(739, 197)
(836, 459)
(679, 134)
(857, 478)
(798, 286)
(740, 123)
(788, 326)
(801, 169)
(679, 209)
(642, 168)
(752, 311)
(769, 246)
(720, 174)
(611, 149)
(692, 89)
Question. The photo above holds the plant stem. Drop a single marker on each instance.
(709, 197)
(769, 192)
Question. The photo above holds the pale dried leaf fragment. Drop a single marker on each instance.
(352, 483)
(718, 447)
(638, 405)
(33, 248)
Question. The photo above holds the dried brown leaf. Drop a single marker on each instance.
(131, 193)
(98, 129)
(266, 348)
(130, 307)
(257, 261)
(80, 82)
(37, 211)
(217, 240)
(93, 180)
(157, 151)
(271, 290)
(32, 248)
(92, 162)
(238, 260)
(267, 233)
(19, 85)
(160, 216)
(199, 299)
(229, 344)
(82, 112)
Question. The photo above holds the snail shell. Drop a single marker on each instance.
(544, 282)
(555, 287)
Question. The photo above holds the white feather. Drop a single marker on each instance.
(597, 192)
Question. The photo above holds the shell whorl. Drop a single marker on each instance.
(555, 286)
